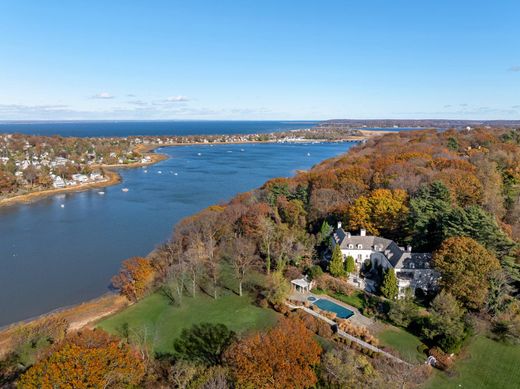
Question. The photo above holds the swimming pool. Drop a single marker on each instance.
(330, 306)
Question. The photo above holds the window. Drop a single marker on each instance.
(351, 246)
(359, 246)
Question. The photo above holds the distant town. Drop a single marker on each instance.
(31, 163)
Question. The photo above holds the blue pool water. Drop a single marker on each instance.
(330, 306)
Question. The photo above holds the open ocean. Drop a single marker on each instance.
(134, 128)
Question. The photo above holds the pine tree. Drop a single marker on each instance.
(350, 266)
(389, 287)
(336, 263)
(325, 231)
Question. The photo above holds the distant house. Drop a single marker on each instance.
(96, 176)
(80, 178)
(58, 182)
(413, 270)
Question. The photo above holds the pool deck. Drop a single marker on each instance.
(357, 319)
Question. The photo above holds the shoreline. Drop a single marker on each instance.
(114, 178)
(78, 316)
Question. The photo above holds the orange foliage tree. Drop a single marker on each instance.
(89, 359)
(283, 357)
(135, 278)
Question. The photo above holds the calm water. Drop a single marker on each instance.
(52, 257)
(130, 128)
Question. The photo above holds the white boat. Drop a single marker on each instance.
(199, 153)
(159, 172)
(175, 174)
(101, 193)
(241, 149)
(308, 154)
(146, 171)
(124, 190)
(62, 205)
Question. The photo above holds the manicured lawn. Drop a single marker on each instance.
(160, 323)
(355, 299)
(488, 364)
(404, 343)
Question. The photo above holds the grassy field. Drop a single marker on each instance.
(161, 323)
(488, 364)
(404, 343)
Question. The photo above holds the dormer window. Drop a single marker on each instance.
(351, 246)
(359, 246)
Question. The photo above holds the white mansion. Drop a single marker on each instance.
(412, 269)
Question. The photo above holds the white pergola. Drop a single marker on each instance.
(301, 285)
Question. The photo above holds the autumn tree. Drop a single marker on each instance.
(278, 287)
(344, 368)
(88, 359)
(389, 287)
(382, 212)
(336, 262)
(465, 266)
(135, 278)
(283, 357)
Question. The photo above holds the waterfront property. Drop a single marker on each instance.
(371, 253)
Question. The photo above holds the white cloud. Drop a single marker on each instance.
(176, 99)
(103, 95)
(514, 69)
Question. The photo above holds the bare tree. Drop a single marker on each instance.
(243, 258)
(268, 231)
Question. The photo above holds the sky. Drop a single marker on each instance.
(279, 60)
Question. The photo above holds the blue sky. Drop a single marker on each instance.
(259, 59)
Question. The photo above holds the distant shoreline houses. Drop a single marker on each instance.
(374, 255)
(77, 179)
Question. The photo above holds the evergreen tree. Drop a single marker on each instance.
(325, 231)
(336, 263)
(453, 145)
(350, 266)
(389, 287)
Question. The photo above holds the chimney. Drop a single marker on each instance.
(409, 248)
(339, 225)
(348, 234)
(362, 232)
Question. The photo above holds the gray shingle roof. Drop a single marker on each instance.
(397, 257)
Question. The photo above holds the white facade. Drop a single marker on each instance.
(412, 269)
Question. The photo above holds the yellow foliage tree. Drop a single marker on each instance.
(382, 210)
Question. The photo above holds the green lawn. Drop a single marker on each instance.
(404, 343)
(355, 299)
(161, 322)
(488, 364)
